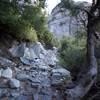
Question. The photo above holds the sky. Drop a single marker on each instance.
(52, 3)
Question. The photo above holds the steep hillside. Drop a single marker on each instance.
(30, 72)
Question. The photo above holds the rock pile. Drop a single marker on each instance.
(34, 77)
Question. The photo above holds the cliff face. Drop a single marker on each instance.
(59, 22)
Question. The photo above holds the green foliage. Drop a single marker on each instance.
(37, 18)
(74, 7)
(16, 26)
(72, 54)
(24, 31)
(70, 4)
(25, 22)
(49, 40)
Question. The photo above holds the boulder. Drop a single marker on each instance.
(26, 61)
(61, 71)
(38, 49)
(18, 51)
(59, 76)
(39, 62)
(6, 62)
(35, 80)
(29, 56)
(22, 77)
(14, 83)
(7, 73)
(44, 68)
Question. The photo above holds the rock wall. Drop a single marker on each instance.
(59, 22)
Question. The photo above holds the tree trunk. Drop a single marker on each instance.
(89, 77)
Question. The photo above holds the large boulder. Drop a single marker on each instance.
(38, 49)
(59, 76)
(28, 56)
(18, 50)
(6, 62)
(32, 52)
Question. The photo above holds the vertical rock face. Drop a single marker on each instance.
(59, 22)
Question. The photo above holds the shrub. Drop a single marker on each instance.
(48, 39)
(72, 54)
(23, 30)
(27, 33)
(25, 22)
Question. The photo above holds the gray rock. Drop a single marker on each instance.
(22, 77)
(4, 93)
(6, 62)
(26, 61)
(56, 18)
(17, 51)
(45, 97)
(1, 72)
(61, 71)
(50, 58)
(34, 80)
(56, 79)
(4, 83)
(29, 56)
(22, 97)
(44, 68)
(59, 76)
(14, 83)
(38, 49)
(7, 73)
(36, 54)
(14, 94)
(39, 62)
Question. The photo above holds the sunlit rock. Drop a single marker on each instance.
(7, 73)
(14, 83)
(18, 50)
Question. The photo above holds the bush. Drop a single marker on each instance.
(27, 33)
(23, 30)
(48, 39)
(25, 22)
(72, 54)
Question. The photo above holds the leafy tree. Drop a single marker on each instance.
(88, 76)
